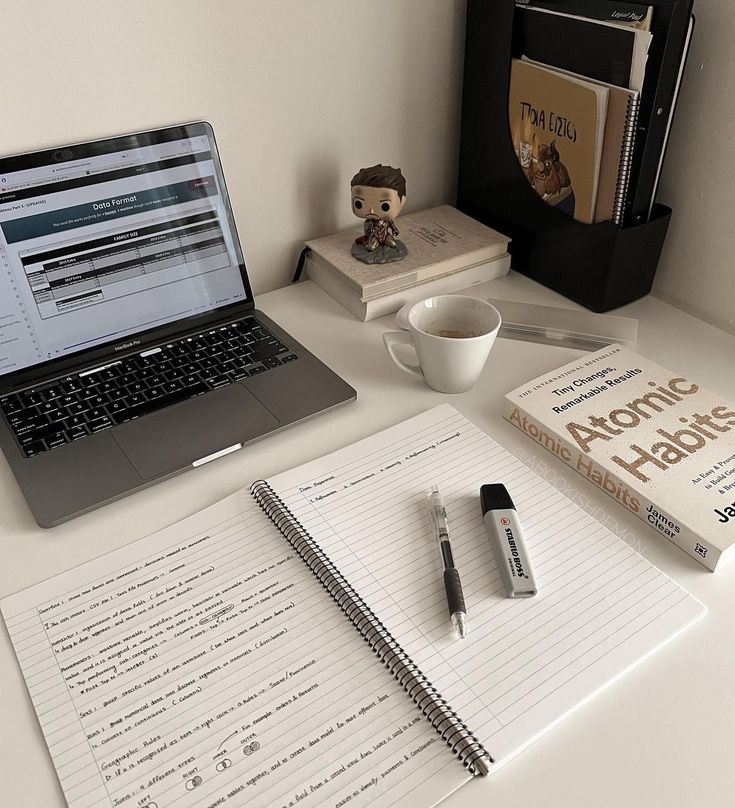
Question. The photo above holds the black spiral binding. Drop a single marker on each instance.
(445, 721)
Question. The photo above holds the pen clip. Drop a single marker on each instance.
(438, 514)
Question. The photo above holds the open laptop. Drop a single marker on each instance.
(130, 345)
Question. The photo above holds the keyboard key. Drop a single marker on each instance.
(216, 381)
(133, 401)
(34, 448)
(89, 392)
(31, 425)
(56, 439)
(128, 366)
(98, 424)
(76, 409)
(257, 369)
(10, 405)
(289, 358)
(237, 374)
(77, 432)
(97, 401)
(49, 407)
(50, 393)
(263, 353)
(58, 416)
(31, 398)
(173, 387)
(72, 422)
(271, 362)
(71, 386)
(92, 380)
(23, 416)
(95, 414)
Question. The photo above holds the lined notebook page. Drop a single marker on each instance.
(205, 665)
(601, 606)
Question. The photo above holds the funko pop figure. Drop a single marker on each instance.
(378, 195)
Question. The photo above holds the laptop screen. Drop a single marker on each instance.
(105, 240)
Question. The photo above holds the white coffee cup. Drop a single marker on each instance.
(452, 336)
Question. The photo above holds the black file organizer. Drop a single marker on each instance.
(602, 266)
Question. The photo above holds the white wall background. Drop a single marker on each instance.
(697, 270)
(301, 93)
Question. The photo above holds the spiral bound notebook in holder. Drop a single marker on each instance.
(227, 659)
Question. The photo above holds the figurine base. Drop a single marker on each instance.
(380, 255)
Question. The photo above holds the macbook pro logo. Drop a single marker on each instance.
(125, 345)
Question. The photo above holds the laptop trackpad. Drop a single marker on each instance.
(176, 436)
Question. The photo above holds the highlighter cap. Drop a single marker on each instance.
(495, 497)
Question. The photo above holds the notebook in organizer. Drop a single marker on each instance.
(617, 148)
(258, 652)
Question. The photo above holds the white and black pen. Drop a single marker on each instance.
(452, 583)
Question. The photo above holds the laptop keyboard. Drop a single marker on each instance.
(77, 406)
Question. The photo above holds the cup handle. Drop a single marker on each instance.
(402, 317)
(394, 338)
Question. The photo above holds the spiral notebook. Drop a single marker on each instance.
(290, 644)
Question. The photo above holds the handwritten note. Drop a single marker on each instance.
(206, 666)
(600, 608)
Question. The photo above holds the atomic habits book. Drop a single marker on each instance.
(656, 441)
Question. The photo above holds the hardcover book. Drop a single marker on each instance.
(654, 440)
(463, 279)
(557, 123)
(440, 241)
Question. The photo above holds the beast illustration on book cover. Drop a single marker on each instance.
(549, 176)
(557, 127)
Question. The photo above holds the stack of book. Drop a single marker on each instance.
(447, 252)
(575, 98)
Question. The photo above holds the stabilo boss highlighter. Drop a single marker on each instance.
(506, 537)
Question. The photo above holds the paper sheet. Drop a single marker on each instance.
(206, 666)
(601, 606)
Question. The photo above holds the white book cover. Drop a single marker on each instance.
(654, 440)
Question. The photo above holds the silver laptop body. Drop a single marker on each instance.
(130, 345)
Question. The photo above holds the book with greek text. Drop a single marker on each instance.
(290, 645)
(617, 149)
(557, 122)
(654, 440)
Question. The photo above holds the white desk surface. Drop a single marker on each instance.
(661, 735)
